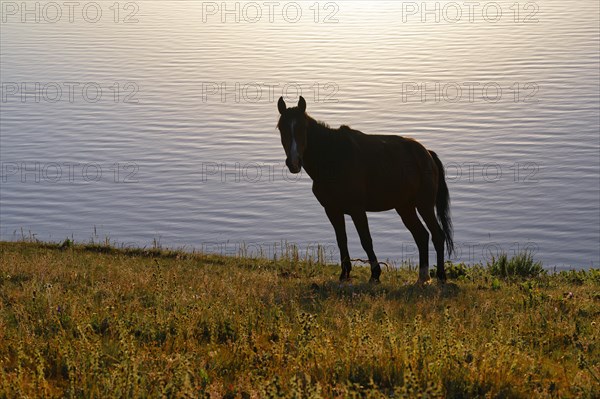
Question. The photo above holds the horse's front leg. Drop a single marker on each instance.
(336, 217)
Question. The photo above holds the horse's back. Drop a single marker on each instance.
(396, 170)
(374, 172)
(391, 154)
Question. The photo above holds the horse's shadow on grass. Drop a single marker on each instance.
(406, 291)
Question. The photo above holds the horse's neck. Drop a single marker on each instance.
(319, 144)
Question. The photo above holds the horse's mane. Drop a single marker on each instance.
(325, 126)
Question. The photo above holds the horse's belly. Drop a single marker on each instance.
(369, 197)
(384, 199)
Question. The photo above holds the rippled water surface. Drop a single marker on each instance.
(180, 145)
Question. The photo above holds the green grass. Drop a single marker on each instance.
(521, 265)
(95, 322)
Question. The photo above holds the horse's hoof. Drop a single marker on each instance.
(374, 280)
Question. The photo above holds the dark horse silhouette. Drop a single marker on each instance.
(353, 173)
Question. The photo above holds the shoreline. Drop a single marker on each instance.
(313, 254)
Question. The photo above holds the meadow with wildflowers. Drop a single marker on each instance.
(95, 321)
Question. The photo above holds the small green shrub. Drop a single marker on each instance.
(520, 265)
(456, 270)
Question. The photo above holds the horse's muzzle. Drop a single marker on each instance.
(294, 167)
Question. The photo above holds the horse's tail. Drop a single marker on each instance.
(442, 205)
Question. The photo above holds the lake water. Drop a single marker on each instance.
(155, 120)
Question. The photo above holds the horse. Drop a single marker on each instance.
(354, 173)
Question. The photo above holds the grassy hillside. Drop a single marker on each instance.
(96, 322)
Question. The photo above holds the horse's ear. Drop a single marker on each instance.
(302, 104)
(281, 105)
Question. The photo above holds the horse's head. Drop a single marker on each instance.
(292, 126)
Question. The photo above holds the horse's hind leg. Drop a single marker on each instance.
(362, 226)
(437, 236)
(339, 225)
(421, 236)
